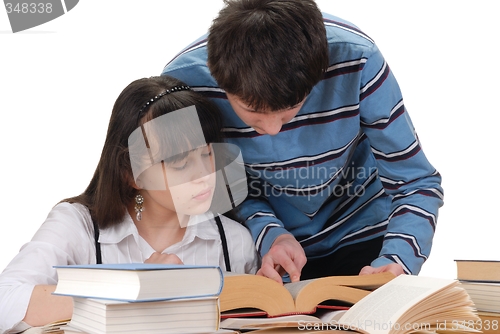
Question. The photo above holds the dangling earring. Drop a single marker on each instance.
(139, 200)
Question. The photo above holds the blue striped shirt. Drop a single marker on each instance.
(347, 168)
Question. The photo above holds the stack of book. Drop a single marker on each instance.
(481, 279)
(142, 298)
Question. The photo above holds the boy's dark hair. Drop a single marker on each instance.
(268, 53)
(111, 189)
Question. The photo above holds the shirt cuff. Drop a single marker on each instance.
(18, 328)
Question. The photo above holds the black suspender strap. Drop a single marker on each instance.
(224, 243)
(98, 257)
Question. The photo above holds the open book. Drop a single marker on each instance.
(406, 304)
(243, 292)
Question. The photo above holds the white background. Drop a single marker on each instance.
(58, 83)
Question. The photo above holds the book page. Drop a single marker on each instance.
(230, 273)
(257, 322)
(295, 287)
(329, 316)
(379, 311)
(366, 282)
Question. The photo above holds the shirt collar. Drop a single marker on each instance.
(202, 226)
(118, 232)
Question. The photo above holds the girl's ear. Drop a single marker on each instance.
(128, 178)
(125, 169)
(137, 184)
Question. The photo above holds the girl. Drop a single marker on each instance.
(151, 199)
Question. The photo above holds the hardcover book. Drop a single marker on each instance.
(138, 281)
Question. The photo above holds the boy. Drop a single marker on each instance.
(338, 178)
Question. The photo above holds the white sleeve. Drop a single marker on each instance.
(243, 256)
(66, 237)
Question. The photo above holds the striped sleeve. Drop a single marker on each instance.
(405, 172)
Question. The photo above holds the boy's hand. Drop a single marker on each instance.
(285, 256)
(394, 268)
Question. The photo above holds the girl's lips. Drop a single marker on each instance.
(203, 195)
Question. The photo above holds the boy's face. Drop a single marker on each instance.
(263, 121)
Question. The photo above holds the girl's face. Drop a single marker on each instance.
(188, 183)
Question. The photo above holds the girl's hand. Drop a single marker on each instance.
(164, 259)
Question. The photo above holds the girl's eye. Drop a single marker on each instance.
(179, 166)
(207, 152)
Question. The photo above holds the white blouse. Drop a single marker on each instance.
(67, 237)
